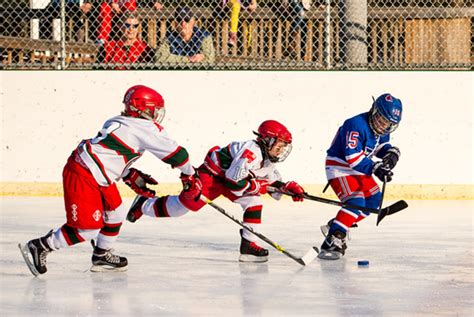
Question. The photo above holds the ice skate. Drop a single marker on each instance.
(135, 211)
(334, 247)
(37, 249)
(105, 261)
(251, 252)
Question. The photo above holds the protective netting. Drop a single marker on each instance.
(237, 34)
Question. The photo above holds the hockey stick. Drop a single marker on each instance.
(382, 213)
(305, 260)
(389, 210)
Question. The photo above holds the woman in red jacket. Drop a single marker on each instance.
(110, 10)
(130, 49)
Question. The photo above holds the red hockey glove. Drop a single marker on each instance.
(192, 186)
(137, 181)
(257, 187)
(295, 190)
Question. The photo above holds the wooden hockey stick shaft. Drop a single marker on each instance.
(303, 261)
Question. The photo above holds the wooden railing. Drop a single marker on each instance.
(396, 38)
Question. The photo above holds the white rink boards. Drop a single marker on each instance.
(421, 264)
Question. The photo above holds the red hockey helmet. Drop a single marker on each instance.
(143, 102)
(271, 131)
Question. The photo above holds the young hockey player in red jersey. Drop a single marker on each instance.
(350, 166)
(94, 208)
(240, 171)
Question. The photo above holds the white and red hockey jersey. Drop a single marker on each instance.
(240, 161)
(123, 140)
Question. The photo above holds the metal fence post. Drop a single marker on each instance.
(63, 34)
(327, 34)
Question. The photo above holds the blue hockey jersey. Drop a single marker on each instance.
(353, 148)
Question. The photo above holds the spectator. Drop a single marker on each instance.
(188, 43)
(235, 6)
(75, 11)
(113, 10)
(294, 10)
(130, 49)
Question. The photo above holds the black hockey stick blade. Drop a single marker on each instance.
(390, 210)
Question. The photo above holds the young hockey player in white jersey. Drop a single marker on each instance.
(94, 208)
(350, 166)
(240, 171)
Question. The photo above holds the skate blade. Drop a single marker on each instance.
(24, 252)
(104, 268)
(326, 255)
(252, 258)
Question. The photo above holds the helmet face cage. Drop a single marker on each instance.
(284, 153)
(379, 124)
(385, 115)
(159, 114)
(155, 114)
(272, 133)
(268, 144)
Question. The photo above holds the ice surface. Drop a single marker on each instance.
(421, 264)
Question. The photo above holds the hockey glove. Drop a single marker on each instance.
(295, 189)
(382, 172)
(137, 181)
(192, 186)
(390, 159)
(257, 187)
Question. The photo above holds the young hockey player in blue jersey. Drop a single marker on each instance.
(350, 166)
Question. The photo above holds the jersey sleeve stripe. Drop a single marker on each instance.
(355, 159)
(112, 142)
(336, 163)
(97, 162)
(177, 158)
(224, 157)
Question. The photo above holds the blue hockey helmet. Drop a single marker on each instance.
(385, 115)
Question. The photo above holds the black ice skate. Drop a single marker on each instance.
(105, 261)
(334, 247)
(38, 249)
(135, 211)
(251, 252)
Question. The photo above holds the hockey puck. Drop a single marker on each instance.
(363, 263)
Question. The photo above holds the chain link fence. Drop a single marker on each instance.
(237, 34)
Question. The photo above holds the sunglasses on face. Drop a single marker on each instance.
(131, 26)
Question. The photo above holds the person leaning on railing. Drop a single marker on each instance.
(111, 10)
(294, 11)
(188, 43)
(130, 49)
